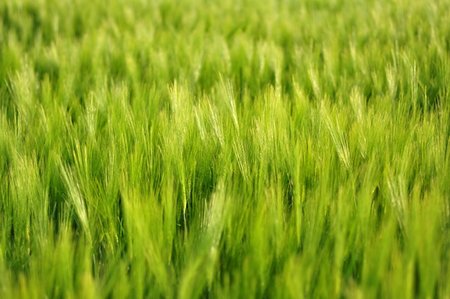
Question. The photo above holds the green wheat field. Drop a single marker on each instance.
(224, 149)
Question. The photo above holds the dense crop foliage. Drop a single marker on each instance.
(225, 149)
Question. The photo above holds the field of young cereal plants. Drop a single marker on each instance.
(224, 149)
